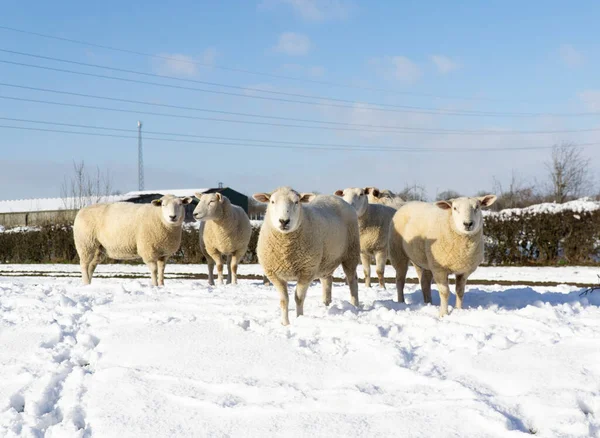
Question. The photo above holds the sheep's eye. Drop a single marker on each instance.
(296, 203)
(272, 202)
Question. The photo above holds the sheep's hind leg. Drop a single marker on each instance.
(380, 259)
(327, 283)
(228, 261)
(350, 271)
(235, 258)
(365, 259)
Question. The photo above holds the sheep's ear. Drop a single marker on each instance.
(307, 197)
(339, 193)
(487, 200)
(219, 197)
(373, 191)
(187, 200)
(198, 195)
(157, 202)
(444, 205)
(262, 197)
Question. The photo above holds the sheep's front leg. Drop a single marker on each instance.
(300, 295)
(441, 280)
(161, 262)
(380, 259)
(461, 282)
(152, 265)
(327, 284)
(211, 267)
(216, 256)
(365, 259)
(281, 287)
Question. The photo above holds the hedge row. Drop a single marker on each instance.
(519, 239)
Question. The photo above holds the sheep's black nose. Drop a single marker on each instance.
(468, 224)
(173, 218)
(284, 222)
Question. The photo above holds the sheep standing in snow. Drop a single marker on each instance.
(374, 225)
(304, 237)
(439, 239)
(225, 230)
(127, 231)
(385, 197)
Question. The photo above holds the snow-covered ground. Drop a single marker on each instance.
(122, 359)
(580, 275)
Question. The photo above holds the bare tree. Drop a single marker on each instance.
(447, 194)
(84, 188)
(519, 193)
(569, 174)
(413, 192)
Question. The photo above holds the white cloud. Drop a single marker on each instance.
(397, 67)
(315, 71)
(591, 99)
(444, 64)
(316, 10)
(571, 56)
(293, 44)
(177, 64)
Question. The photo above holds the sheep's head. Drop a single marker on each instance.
(285, 208)
(210, 206)
(173, 210)
(466, 212)
(356, 197)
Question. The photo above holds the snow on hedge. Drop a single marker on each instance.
(577, 206)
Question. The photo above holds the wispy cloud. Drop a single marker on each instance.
(177, 64)
(571, 56)
(293, 44)
(444, 64)
(396, 67)
(591, 99)
(315, 10)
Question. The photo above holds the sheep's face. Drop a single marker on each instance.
(173, 208)
(466, 212)
(356, 197)
(285, 208)
(210, 206)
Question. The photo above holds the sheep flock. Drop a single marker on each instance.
(303, 237)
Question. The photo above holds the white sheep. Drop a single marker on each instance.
(385, 197)
(127, 231)
(439, 239)
(374, 225)
(304, 237)
(225, 230)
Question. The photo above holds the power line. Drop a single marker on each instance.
(338, 125)
(371, 105)
(250, 96)
(360, 148)
(393, 109)
(240, 70)
(236, 87)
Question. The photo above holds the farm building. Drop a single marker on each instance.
(33, 212)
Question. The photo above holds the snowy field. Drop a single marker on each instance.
(123, 359)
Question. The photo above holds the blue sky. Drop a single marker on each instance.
(514, 57)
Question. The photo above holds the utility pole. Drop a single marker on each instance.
(140, 158)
